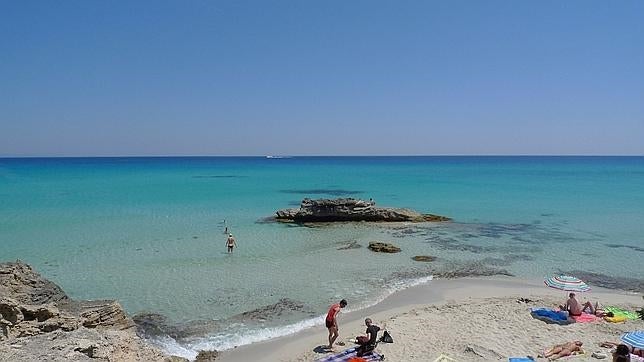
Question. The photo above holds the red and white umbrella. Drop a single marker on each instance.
(567, 283)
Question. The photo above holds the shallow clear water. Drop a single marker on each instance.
(149, 231)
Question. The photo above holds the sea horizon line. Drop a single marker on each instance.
(286, 156)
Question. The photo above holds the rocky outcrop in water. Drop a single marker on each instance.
(348, 209)
(38, 322)
(379, 247)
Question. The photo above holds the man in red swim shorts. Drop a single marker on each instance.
(332, 322)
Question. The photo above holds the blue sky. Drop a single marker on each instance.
(101, 78)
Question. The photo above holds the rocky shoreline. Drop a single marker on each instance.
(39, 322)
(349, 209)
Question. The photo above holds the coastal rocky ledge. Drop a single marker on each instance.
(348, 209)
(39, 322)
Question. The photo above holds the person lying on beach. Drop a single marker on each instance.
(588, 307)
(635, 351)
(368, 342)
(563, 350)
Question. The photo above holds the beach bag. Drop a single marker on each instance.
(386, 338)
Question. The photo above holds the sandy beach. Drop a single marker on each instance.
(468, 319)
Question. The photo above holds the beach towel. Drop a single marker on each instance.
(520, 359)
(350, 353)
(635, 358)
(585, 318)
(618, 312)
(616, 319)
(581, 353)
(550, 316)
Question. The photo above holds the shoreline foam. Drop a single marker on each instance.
(231, 341)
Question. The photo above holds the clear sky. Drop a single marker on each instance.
(101, 78)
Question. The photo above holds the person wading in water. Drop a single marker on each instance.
(230, 243)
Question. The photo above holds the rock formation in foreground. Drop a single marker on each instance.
(39, 322)
(331, 210)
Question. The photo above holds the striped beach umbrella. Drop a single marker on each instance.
(634, 339)
(567, 283)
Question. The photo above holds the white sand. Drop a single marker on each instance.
(465, 319)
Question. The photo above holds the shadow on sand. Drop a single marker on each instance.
(322, 349)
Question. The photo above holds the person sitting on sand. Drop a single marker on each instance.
(563, 350)
(572, 306)
(368, 342)
(575, 309)
(622, 354)
(635, 351)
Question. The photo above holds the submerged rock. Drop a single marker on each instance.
(436, 218)
(632, 247)
(349, 209)
(379, 247)
(268, 312)
(156, 325)
(153, 325)
(607, 281)
(425, 258)
(351, 245)
(469, 269)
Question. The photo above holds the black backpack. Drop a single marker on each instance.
(386, 338)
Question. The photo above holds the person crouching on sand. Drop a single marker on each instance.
(367, 342)
(332, 321)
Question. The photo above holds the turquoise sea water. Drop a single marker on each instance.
(149, 231)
